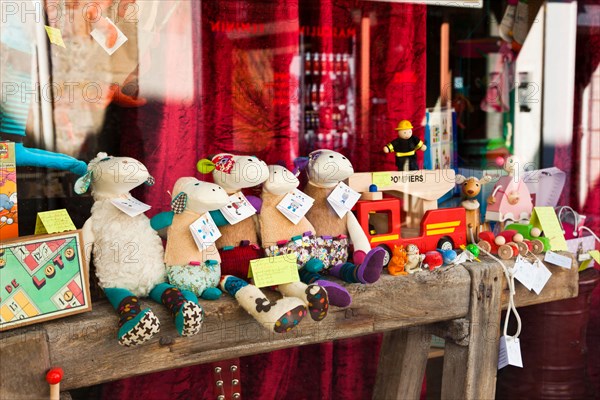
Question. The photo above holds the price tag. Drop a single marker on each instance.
(595, 254)
(131, 206)
(204, 231)
(238, 209)
(524, 272)
(342, 199)
(542, 275)
(271, 271)
(382, 179)
(510, 352)
(557, 259)
(545, 218)
(295, 205)
(53, 222)
(55, 36)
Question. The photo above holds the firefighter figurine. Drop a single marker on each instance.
(405, 147)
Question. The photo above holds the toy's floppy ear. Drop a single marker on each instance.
(205, 166)
(150, 181)
(486, 179)
(83, 183)
(179, 202)
(460, 179)
(300, 163)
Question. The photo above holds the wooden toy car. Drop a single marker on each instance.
(497, 245)
(525, 246)
(532, 233)
(440, 229)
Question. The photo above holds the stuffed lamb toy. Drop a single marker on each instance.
(128, 254)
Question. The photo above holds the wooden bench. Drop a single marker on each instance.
(462, 304)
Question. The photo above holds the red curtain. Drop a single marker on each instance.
(243, 52)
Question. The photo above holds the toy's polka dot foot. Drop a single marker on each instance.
(193, 315)
(289, 320)
(318, 302)
(144, 327)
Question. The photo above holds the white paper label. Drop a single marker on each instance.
(204, 231)
(524, 272)
(295, 205)
(130, 206)
(542, 275)
(100, 36)
(342, 199)
(510, 352)
(238, 209)
(557, 259)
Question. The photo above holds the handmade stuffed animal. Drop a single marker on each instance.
(281, 236)
(187, 267)
(239, 244)
(511, 199)
(326, 169)
(128, 254)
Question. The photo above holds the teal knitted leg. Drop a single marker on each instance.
(309, 277)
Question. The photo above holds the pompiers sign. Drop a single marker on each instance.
(444, 3)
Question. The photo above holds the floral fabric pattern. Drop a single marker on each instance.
(195, 278)
(331, 251)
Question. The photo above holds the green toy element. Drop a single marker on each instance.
(530, 232)
(473, 249)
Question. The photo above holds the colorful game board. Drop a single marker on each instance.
(42, 277)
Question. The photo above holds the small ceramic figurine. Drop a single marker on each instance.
(405, 147)
(398, 261)
(413, 259)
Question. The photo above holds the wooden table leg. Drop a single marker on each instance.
(470, 371)
(402, 363)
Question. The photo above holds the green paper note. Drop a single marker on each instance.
(271, 271)
(55, 36)
(545, 218)
(382, 179)
(595, 255)
(53, 222)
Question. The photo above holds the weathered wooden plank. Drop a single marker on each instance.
(470, 371)
(228, 332)
(402, 363)
(24, 361)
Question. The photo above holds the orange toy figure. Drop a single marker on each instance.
(396, 265)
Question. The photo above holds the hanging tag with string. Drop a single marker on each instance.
(510, 346)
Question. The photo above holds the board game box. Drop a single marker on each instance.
(42, 277)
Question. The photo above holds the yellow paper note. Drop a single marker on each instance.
(595, 255)
(545, 218)
(53, 222)
(271, 271)
(55, 36)
(382, 179)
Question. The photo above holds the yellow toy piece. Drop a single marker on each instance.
(404, 124)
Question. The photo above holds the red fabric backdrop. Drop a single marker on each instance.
(232, 111)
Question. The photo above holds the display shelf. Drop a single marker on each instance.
(410, 307)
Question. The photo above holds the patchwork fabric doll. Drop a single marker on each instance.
(110, 233)
(326, 169)
(188, 267)
(280, 236)
(239, 244)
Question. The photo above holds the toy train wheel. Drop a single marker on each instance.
(388, 254)
(485, 246)
(538, 246)
(445, 243)
(523, 249)
(505, 252)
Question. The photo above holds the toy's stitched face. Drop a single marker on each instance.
(281, 180)
(412, 249)
(241, 172)
(405, 133)
(201, 196)
(327, 167)
(118, 174)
